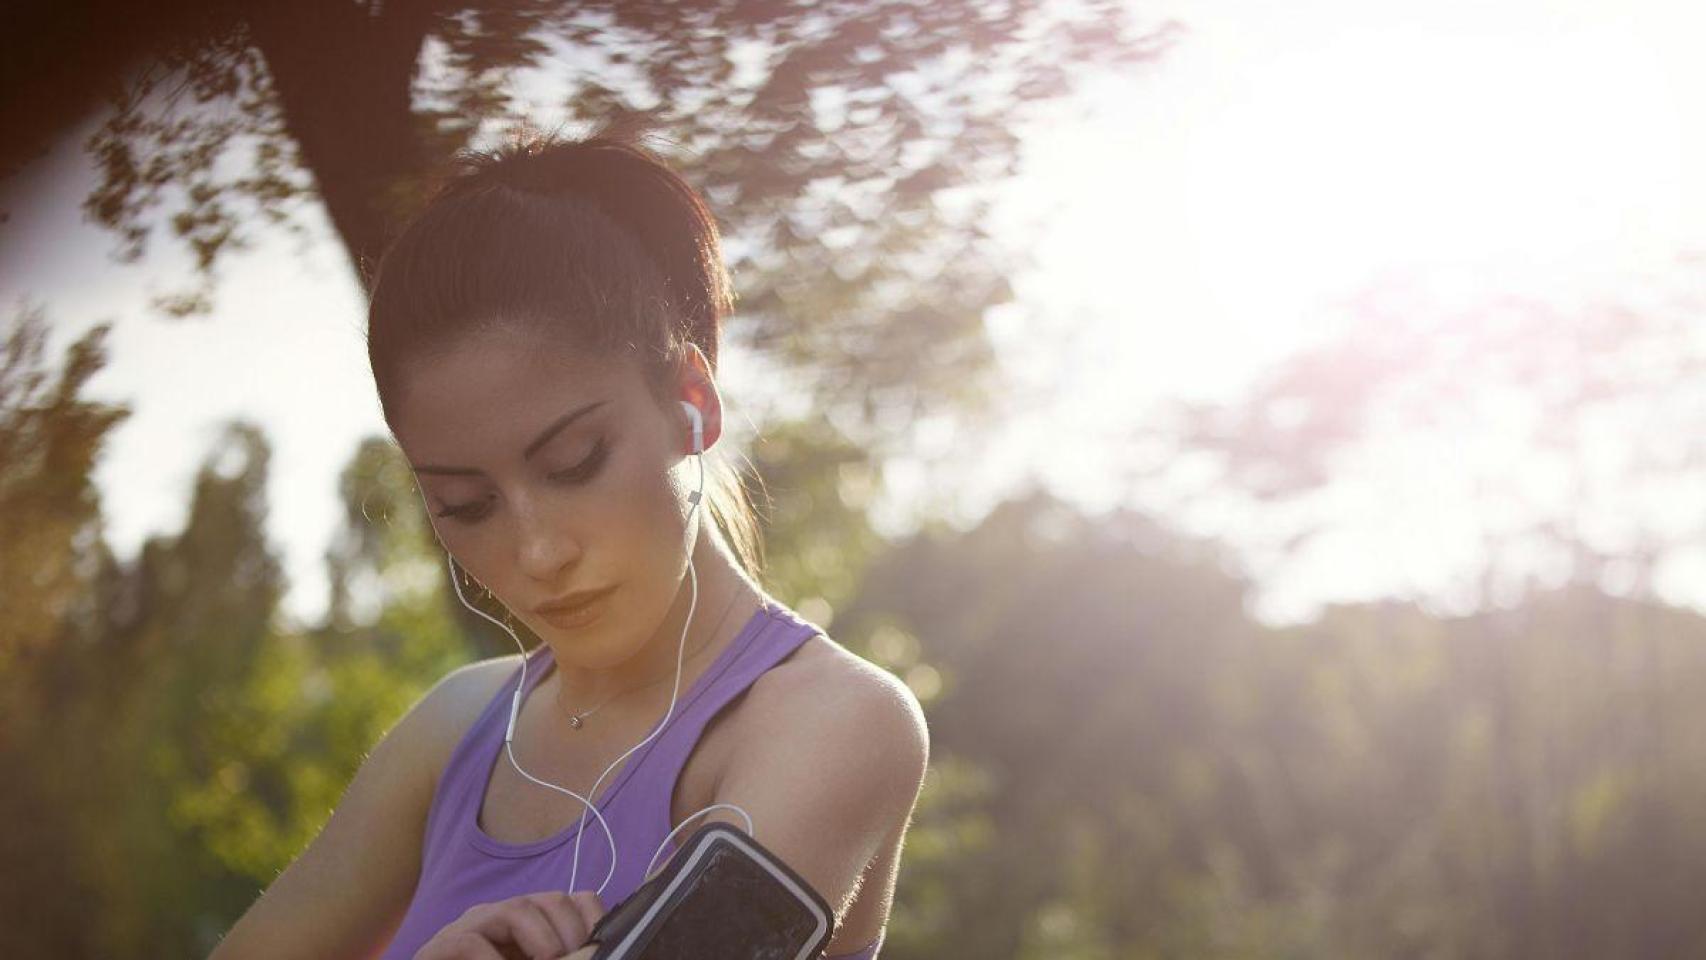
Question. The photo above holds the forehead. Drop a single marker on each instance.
(483, 399)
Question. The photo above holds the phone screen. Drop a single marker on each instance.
(731, 909)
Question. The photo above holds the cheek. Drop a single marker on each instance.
(647, 502)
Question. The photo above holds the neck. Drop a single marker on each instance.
(726, 601)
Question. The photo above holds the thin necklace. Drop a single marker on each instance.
(576, 719)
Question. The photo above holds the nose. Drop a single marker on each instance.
(546, 546)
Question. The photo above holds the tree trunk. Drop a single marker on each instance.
(343, 78)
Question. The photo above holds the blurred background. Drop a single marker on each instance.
(1270, 439)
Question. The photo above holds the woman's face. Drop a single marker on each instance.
(547, 473)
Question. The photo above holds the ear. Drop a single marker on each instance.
(695, 385)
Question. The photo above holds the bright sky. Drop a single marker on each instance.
(1200, 222)
(1215, 214)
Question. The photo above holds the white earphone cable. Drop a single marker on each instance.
(574, 867)
(515, 702)
(690, 819)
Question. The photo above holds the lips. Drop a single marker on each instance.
(572, 603)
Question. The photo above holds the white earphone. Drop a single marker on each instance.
(698, 425)
(698, 419)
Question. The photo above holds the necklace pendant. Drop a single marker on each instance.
(575, 721)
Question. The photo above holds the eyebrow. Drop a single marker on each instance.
(545, 437)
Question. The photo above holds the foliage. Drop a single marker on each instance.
(1124, 763)
(52, 565)
(1575, 436)
(817, 489)
(49, 440)
(158, 720)
(1169, 778)
(848, 146)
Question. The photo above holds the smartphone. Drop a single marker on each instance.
(722, 896)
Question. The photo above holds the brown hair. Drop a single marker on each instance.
(595, 241)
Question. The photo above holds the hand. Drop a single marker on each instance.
(534, 926)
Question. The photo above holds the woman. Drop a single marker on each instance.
(544, 339)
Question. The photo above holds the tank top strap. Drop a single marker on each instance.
(779, 632)
(462, 866)
(462, 783)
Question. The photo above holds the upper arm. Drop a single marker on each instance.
(844, 778)
(346, 893)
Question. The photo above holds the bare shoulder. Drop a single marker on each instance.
(345, 894)
(454, 703)
(824, 674)
(472, 685)
(828, 759)
(841, 707)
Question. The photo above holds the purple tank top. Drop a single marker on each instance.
(461, 865)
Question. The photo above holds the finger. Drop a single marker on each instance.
(565, 917)
(590, 905)
(521, 922)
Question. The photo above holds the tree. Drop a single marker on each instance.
(1123, 764)
(50, 438)
(53, 565)
(1074, 657)
(847, 144)
(1599, 405)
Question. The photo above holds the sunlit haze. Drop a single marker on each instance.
(1190, 224)
(1224, 209)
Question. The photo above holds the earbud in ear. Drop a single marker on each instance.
(698, 419)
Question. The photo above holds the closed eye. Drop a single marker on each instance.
(583, 471)
(579, 473)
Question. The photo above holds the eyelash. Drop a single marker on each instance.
(579, 473)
